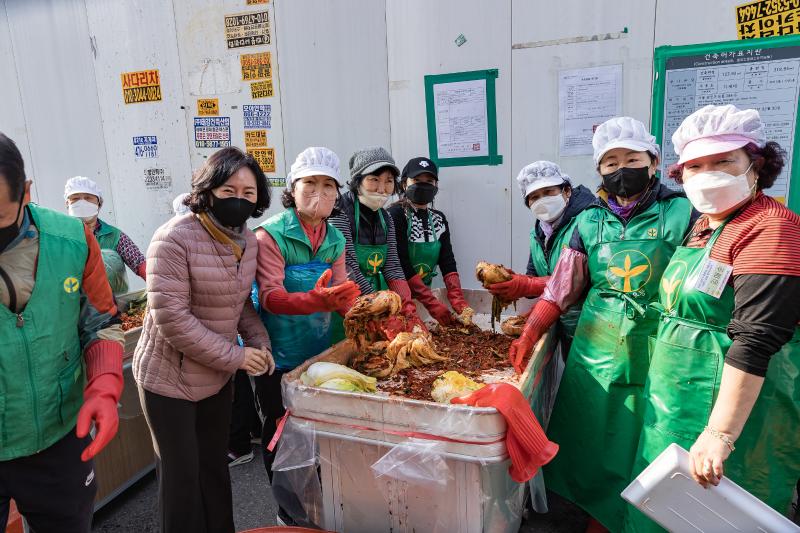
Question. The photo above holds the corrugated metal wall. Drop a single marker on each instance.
(346, 74)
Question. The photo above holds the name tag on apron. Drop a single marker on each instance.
(713, 277)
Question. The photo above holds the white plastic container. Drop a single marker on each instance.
(391, 464)
(666, 492)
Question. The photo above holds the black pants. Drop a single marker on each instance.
(268, 390)
(54, 489)
(190, 440)
(244, 417)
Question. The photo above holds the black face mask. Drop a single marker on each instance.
(232, 212)
(10, 232)
(421, 193)
(626, 182)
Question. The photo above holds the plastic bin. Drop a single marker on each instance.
(400, 465)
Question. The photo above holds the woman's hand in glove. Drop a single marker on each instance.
(519, 286)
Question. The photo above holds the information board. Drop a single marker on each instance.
(462, 118)
(761, 74)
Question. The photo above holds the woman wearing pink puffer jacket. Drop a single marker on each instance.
(200, 268)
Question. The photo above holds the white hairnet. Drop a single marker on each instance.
(715, 129)
(539, 175)
(315, 160)
(82, 184)
(622, 132)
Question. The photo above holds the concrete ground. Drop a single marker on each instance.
(253, 506)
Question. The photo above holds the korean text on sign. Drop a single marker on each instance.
(255, 138)
(261, 89)
(145, 147)
(207, 107)
(767, 18)
(265, 158)
(141, 86)
(212, 132)
(247, 29)
(256, 66)
(257, 116)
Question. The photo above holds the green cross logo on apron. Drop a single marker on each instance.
(628, 269)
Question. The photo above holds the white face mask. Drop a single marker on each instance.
(83, 209)
(549, 208)
(373, 200)
(716, 192)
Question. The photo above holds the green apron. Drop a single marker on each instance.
(545, 264)
(685, 372)
(424, 256)
(371, 257)
(597, 417)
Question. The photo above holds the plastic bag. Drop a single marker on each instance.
(418, 462)
(115, 271)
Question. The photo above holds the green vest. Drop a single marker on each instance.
(597, 417)
(295, 338)
(545, 264)
(41, 370)
(687, 358)
(108, 236)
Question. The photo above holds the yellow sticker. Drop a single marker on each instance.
(255, 138)
(141, 86)
(261, 89)
(207, 107)
(256, 66)
(767, 18)
(71, 285)
(256, 2)
(265, 157)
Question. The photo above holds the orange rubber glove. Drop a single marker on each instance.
(454, 293)
(527, 444)
(519, 286)
(101, 395)
(543, 315)
(320, 299)
(424, 294)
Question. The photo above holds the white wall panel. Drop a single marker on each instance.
(680, 22)
(129, 37)
(421, 35)
(535, 113)
(52, 53)
(12, 116)
(210, 70)
(334, 89)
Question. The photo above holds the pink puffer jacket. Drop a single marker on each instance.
(198, 297)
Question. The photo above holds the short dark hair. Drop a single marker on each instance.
(217, 170)
(355, 182)
(767, 162)
(12, 167)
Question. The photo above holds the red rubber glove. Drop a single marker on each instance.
(100, 397)
(527, 444)
(141, 270)
(454, 293)
(519, 286)
(543, 315)
(320, 299)
(424, 294)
